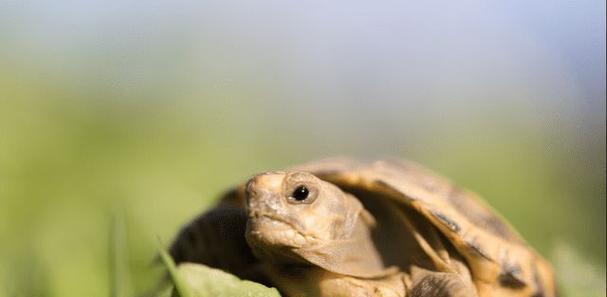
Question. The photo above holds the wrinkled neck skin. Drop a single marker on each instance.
(354, 256)
(338, 268)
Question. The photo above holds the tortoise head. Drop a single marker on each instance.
(297, 210)
(296, 218)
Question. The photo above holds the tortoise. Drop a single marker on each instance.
(339, 227)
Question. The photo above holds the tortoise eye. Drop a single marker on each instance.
(300, 193)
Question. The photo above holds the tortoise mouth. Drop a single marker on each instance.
(271, 230)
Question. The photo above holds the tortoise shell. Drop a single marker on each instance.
(499, 261)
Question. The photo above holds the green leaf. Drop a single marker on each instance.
(204, 281)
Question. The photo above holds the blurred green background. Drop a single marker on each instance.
(149, 110)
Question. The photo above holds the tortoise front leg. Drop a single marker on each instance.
(216, 239)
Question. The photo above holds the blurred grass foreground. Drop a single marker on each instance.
(139, 115)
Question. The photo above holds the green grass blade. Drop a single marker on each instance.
(577, 276)
(181, 288)
(120, 277)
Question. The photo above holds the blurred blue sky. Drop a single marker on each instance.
(392, 45)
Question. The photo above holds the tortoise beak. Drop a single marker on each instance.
(264, 192)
